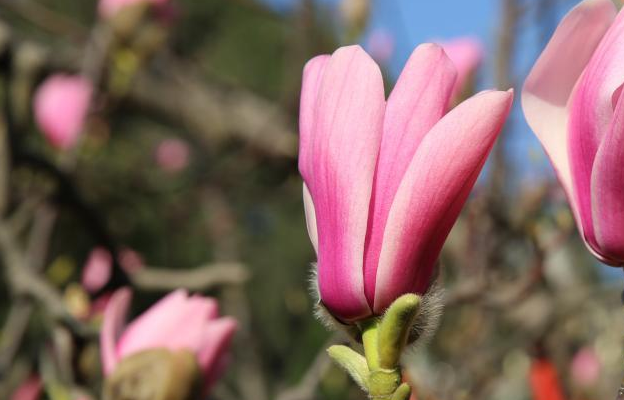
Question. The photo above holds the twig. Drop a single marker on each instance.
(306, 389)
(198, 279)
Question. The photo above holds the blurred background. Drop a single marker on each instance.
(185, 172)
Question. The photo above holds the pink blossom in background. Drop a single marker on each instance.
(585, 368)
(178, 321)
(467, 54)
(30, 389)
(97, 270)
(108, 8)
(384, 182)
(572, 99)
(130, 261)
(172, 155)
(380, 45)
(61, 104)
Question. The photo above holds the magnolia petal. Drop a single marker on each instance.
(151, 326)
(312, 76)
(607, 191)
(216, 340)
(547, 90)
(310, 216)
(344, 146)
(591, 112)
(430, 196)
(112, 326)
(417, 102)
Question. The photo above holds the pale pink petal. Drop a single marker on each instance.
(310, 215)
(60, 107)
(417, 102)
(217, 337)
(97, 270)
(466, 53)
(607, 191)
(344, 146)
(112, 326)
(30, 389)
(548, 88)
(591, 112)
(311, 82)
(175, 322)
(436, 184)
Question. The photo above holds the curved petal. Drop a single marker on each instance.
(112, 326)
(344, 147)
(433, 191)
(217, 337)
(418, 101)
(175, 322)
(548, 88)
(310, 215)
(591, 112)
(311, 82)
(607, 191)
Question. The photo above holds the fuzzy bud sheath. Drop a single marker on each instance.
(156, 374)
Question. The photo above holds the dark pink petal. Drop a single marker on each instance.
(607, 191)
(418, 101)
(430, 197)
(591, 112)
(342, 152)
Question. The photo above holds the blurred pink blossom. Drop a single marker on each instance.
(61, 104)
(178, 321)
(130, 261)
(585, 367)
(466, 53)
(108, 8)
(172, 155)
(30, 389)
(380, 45)
(97, 270)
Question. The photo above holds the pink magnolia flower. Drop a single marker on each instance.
(466, 53)
(572, 100)
(172, 155)
(385, 181)
(178, 321)
(30, 389)
(108, 8)
(61, 104)
(97, 270)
